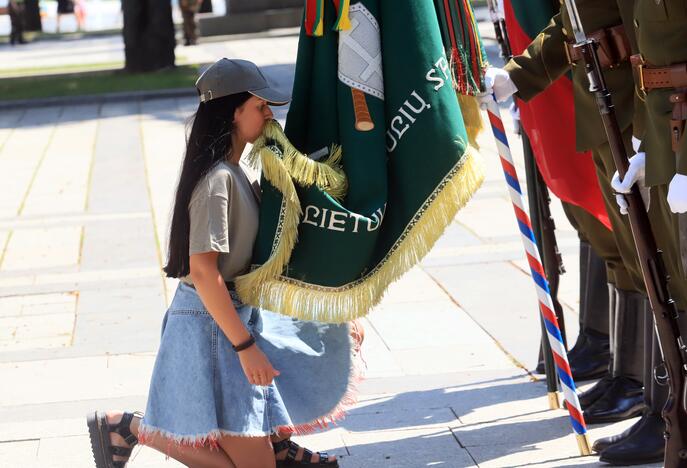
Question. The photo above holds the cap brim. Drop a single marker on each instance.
(272, 96)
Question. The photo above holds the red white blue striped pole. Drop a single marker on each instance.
(555, 338)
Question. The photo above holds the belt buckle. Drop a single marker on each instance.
(640, 72)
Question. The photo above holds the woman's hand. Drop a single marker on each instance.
(256, 366)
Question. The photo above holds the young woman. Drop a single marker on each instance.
(230, 379)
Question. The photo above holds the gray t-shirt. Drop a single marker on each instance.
(224, 218)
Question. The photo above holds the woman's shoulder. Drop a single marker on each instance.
(217, 182)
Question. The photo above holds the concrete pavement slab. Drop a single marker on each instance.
(423, 289)
(60, 184)
(63, 380)
(405, 449)
(506, 309)
(19, 450)
(379, 359)
(411, 325)
(8, 122)
(21, 156)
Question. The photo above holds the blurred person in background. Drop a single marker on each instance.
(16, 12)
(189, 8)
(64, 7)
(80, 14)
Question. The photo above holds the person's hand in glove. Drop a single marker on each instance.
(499, 84)
(636, 173)
(677, 194)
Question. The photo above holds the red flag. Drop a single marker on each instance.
(549, 121)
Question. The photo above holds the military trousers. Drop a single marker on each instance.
(616, 247)
(603, 242)
(626, 269)
(666, 228)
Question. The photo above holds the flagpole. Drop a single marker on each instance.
(546, 308)
(539, 200)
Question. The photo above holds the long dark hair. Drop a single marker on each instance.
(207, 142)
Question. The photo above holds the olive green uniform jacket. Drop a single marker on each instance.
(545, 60)
(661, 30)
(542, 63)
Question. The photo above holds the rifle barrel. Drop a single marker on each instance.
(650, 258)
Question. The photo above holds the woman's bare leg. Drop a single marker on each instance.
(249, 452)
(203, 457)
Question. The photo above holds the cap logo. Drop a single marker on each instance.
(206, 96)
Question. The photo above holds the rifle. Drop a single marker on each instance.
(665, 310)
(539, 201)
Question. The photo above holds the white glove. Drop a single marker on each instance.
(677, 194)
(498, 83)
(635, 174)
(636, 143)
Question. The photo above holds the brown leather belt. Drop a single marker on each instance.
(648, 77)
(614, 47)
(671, 77)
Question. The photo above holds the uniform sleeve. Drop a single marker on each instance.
(209, 218)
(542, 63)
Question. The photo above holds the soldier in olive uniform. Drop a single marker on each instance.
(619, 395)
(660, 27)
(189, 8)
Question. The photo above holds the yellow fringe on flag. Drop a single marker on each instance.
(472, 117)
(343, 21)
(276, 173)
(356, 299)
(319, 21)
(282, 170)
(326, 175)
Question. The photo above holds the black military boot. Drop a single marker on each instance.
(590, 356)
(624, 397)
(599, 389)
(647, 378)
(644, 441)
(589, 397)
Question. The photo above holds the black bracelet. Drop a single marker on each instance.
(245, 345)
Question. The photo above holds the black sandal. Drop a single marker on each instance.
(103, 451)
(306, 460)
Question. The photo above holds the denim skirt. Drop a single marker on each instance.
(199, 393)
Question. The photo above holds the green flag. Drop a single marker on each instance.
(374, 105)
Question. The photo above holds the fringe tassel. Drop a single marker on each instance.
(472, 117)
(326, 175)
(343, 304)
(314, 17)
(281, 173)
(463, 43)
(343, 21)
(276, 173)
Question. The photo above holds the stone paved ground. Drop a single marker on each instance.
(86, 194)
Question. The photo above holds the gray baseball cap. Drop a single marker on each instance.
(225, 77)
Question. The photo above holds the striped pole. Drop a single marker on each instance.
(553, 332)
